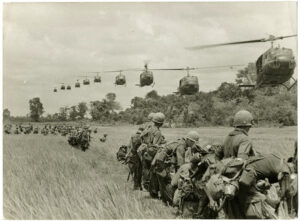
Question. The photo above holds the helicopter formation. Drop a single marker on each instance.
(188, 85)
(274, 67)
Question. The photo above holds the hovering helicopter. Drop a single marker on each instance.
(85, 81)
(62, 87)
(274, 67)
(189, 85)
(97, 79)
(120, 79)
(77, 84)
(146, 77)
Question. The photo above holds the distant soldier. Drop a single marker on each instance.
(151, 139)
(237, 143)
(36, 130)
(84, 139)
(95, 130)
(7, 129)
(16, 131)
(103, 139)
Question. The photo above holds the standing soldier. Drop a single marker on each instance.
(151, 138)
(237, 143)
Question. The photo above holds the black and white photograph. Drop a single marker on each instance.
(149, 110)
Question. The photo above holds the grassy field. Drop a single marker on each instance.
(44, 178)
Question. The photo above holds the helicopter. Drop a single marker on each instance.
(85, 81)
(189, 85)
(274, 67)
(146, 77)
(62, 87)
(120, 79)
(77, 84)
(97, 79)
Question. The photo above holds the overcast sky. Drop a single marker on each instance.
(46, 44)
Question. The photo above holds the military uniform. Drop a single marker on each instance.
(151, 138)
(238, 144)
(252, 197)
(133, 160)
(166, 161)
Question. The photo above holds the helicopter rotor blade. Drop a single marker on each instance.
(271, 38)
(224, 44)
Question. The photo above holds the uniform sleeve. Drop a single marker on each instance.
(180, 155)
(245, 149)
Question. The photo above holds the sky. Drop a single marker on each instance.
(46, 44)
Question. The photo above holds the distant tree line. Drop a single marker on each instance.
(269, 106)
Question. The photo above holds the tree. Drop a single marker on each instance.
(63, 113)
(73, 113)
(111, 97)
(6, 114)
(228, 91)
(36, 108)
(152, 94)
(82, 109)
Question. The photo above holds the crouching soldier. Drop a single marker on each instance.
(168, 160)
(190, 195)
(249, 187)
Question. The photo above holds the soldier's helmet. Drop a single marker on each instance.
(193, 136)
(243, 118)
(158, 118)
(150, 116)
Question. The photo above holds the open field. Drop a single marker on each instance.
(44, 178)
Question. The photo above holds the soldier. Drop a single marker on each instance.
(251, 200)
(95, 130)
(84, 139)
(133, 160)
(237, 143)
(168, 160)
(151, 138)
(17, 131)
(36, 130)
(7, 129)
(190, 196)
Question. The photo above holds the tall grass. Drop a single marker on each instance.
(44, 178)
